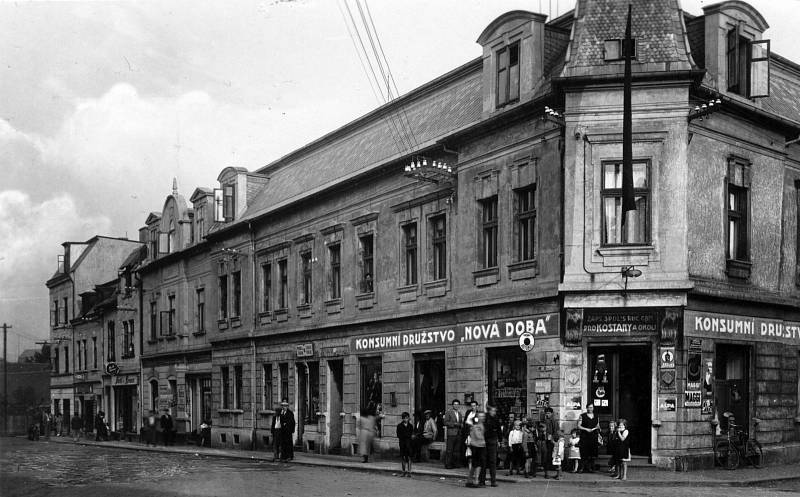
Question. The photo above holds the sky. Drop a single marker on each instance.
(102, 104)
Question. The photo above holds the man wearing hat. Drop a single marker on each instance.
(428, 433)
(283, 427)
(454, 421)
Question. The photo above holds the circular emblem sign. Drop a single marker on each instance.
(112, 368)
(526, 342)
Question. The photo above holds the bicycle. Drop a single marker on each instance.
(737, 446)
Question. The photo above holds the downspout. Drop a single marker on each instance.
(254, 305)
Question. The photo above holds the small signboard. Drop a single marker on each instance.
(693, 398)
(112, 368)
(667, 357)
(305, 350)
(542, 386)
(667, 404)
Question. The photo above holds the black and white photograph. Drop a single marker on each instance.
(399, 248)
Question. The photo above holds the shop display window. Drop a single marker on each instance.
(508, 381)
(429, 388)
(371, 382)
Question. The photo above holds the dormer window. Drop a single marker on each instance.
(171, 237)
(508, 74)
(224, 204)
(615, 49)
(748, 65)
(229, 205)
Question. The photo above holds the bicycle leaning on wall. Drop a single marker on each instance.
(736, 446)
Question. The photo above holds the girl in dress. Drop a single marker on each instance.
(623, 449)
(613, 440)
(558, 452)
(575, 451)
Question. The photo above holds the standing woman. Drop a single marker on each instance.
(623, 449)
(589, 429)
(366, 432)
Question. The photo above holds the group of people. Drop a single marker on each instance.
(165, 426)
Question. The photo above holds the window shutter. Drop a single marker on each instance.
(219, 214)
(759, 69)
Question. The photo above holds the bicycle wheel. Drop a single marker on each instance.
(754, 454)
(727, 456)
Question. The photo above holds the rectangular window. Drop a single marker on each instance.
(366, 248)
(153, 243)
(226, 388)
(737, 223)
(410, 253)
(614, 49)
(153, 320)
(94, 352)
(371, 381)
(85, 355)
(489, 232)
(124, 340)
(66, 359)
(111, 344)
(525, 219)
(79, 361)
(335, 258)
(54, 314)
(219, 212)
(223, 296)
(283, 371)
(130, 349)
(171, 320)
(236, 308)
(637, 230)
(508, 381)
(508, 75)
(266, 287)
(438, 236)
(283, 277)
(238, 382)
(200, 314)
(267, 401)
(66, 311)
(56, 365)
(229, 209)
(305, 269)
(747, 65)
(200, 222)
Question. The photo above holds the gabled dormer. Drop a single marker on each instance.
(151, 229)
(175, 227)
(513, 59)
(736, 55)
(237, 188)
(202, 201)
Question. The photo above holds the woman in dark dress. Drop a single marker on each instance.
(405, 432)
(589, 427)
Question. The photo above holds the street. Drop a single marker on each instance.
(58, 469)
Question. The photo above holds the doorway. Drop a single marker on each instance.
(732, 384)
(429, 388)
(335, 402)
(620, 385)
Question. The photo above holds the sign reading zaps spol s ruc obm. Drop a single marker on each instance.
(540, 326)
(604, 322)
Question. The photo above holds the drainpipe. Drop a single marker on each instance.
(253, 414)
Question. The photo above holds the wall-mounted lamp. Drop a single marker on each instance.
(468, 397)
(628, 272)
(656, 423)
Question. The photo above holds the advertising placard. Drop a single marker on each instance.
(606, 322)
(667, 404)
(693, 398)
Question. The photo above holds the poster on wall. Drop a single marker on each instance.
(694, 368)
(666, 381)
(708, 377)
(668, 404)
(667, 356)
(572, 379)
(575, 403)
(692, 398)
(707, 407)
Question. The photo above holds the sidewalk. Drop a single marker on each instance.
(638, 476)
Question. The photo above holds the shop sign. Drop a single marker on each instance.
(542, 386)
(707, 407)
(305, 350)
(112, 368)
(541, 326)
(572, 377)
(126, 380)
(575, 403)
(84, 389)
(714, 325)
(667, 404)
(619, 323)
(667, 357)
(692, 398)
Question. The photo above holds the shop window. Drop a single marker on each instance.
(173, 393)
(489, 232)
(747, 64)
(236, 307)
(335, 271)
(283, 278)
(636, 230)
(238, 382)
(366, 248)
(226, 387)
(508, 74)
(371, 382)
(508, 381)
(732, 383)
(266, 287)
(283, 371)
(410, 253)
(153, 320)
(267, 400)
(312, 400)
(525, 220)
(305, 271)
(223, 296)
(429, 387)
(438, 247)
(200, 310)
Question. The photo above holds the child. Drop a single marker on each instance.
(613, 440)
(558, 452)
(575, 451)
(529, 444)
(516, 452)
(405, 431)
(542, 457)
(623, 449)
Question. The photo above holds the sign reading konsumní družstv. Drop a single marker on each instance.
(540, 326)
(741, 327)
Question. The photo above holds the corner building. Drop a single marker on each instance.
(357, 270)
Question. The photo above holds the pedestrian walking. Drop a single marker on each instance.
(366, 431)
(589, 427)
(454, 422)
(574, 451)
(167, 428)
(59, 421)
(205, 433)
(623, 449)
(469, 419)
(477, 447)
(558, 452)
(516, 452)
(100, 432)
(405, 433)
(151, 428)
(286, 425)
(76, 426)
(491, 436)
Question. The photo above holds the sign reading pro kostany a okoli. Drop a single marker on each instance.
(709, 324)
(540, 326)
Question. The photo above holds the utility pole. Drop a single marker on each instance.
(5, 378)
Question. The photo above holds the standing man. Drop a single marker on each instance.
(286, 418)
(76, 425)
(277, 440)
(151, 423)
(551, 427)
(454, 421)
(167, 427)
(59, 423)
(492, 436)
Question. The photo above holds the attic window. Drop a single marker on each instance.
(612, 49)
(229, 204)
(508, 74)
(748, 65)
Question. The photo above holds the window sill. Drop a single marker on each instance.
(365, 300)
(264, 317)
(266, 412)
(436, 288)
(486, 277)
(282, 315)
(230, 411)
(523, 270)
(407, 293)
(222, 324)
(152, 341)
(170, 337)
(236, 322)
(304, 311)
(199, 333)
(739, 270)
(333, 306)
(625, 250)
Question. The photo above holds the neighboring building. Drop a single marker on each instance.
(82, 266)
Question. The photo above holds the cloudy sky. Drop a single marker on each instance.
(103, 103)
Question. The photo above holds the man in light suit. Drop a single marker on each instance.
(454, 421)
(284, 425)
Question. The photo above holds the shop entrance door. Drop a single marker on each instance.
(732, 385)
(620, 387)
(335, 402)
(302, 401)
(429, 384)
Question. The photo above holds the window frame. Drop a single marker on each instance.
(410, 253)
(489, 231)
(112, 349)
(335, 271)
(225, 387)
(229, 203)
(236, 294)
(506, 91)
(306, 277)
(739, 63)
(200, 309)
(366, 263)
(617, 193)
(222, 291)
(283, 284)
(266, 286)
(153, 320)
(438, 246)
(267, 394)
(238, 386)
(525, 223)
